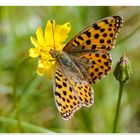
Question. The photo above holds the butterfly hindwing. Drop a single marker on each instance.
(70, 93)
(84, 91)
(99, 65)
(99, 36)
(93, 66)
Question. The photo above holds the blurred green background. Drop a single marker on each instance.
(26, 99)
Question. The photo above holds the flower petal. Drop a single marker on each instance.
(34, 52)
(40, 36)
(34, 42)
(60, 47)
(49, 30)
(45, 67)
(45, 55)
(50, 69)
(49, 73)
(53, 36)
(62, 31)
(41, 68)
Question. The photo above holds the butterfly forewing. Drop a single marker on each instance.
(100, 36)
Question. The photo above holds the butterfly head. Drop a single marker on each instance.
(55, 53)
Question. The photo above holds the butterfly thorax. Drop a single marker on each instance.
(66, 63)
(61, 57)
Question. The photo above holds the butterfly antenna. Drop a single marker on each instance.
(53, 34)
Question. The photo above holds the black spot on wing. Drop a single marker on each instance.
(102, 30)
(76, 42)
(81, 38)
(88, 42)
(58, 94)
(58, 103)
(88, 33)
(57, 78)
(64, 84)
(93, 47)
(64, 92)
(57, 73)
(57, 85)
(96, 36)
(96, 27)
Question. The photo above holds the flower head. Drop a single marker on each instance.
(123, 70)
(51, 39)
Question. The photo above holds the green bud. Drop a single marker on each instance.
(122, 70)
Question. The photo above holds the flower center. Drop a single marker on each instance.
(46, 55)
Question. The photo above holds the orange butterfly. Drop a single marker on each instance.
(84, 60)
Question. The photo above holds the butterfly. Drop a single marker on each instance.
(84, 60)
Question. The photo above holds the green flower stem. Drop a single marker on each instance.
(122, 74)
(118, 105)
(24, 124)
(15, 96)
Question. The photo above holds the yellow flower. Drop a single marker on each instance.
(51, 39)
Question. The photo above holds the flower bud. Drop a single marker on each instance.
(122, 70)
